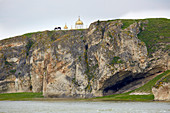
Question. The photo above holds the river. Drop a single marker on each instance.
(83, 107)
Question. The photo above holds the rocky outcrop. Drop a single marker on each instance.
(162, 92)
(100, 60)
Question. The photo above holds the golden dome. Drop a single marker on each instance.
(79, 22)
(65, 27)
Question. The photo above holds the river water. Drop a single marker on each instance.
(83, 107)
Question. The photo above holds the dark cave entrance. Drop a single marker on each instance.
(116, 82)
(124, 80)
(118, 86)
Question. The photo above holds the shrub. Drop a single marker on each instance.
(28, 46)
(13, 71)
(116, 60)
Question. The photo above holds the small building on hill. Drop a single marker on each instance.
(79, 24)
(65, 27)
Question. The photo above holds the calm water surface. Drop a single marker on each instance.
(83, 107)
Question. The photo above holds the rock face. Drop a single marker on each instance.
(100, 60)
(162, 93)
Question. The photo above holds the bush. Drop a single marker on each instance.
(13, 71)
(116, 60)
(28, 46)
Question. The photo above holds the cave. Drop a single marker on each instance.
(116, 82)
(125, 80)
(113, 89)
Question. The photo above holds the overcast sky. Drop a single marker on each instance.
(23, 16)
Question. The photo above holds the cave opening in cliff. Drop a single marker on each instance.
(115, 83)
(126, 81)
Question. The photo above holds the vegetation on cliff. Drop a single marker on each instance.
(154, 33)
(148, 87)
(108, 58)
(165, 78)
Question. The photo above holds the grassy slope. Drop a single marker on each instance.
(20, 96)
(127, 22)
(154, 29)
(146, 88)
(156, 32)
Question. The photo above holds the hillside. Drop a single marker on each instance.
(110, 57)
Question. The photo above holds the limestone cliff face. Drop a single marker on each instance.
(14, 66)
(97, 61)
(162, 93)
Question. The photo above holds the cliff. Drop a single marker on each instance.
(109, 57)
(161, 89)
(162, 93)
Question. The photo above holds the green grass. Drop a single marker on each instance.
(80, 29)
(166, 79)
(135, 97)
(127, 22)
(156, 27)
(116, 60)
(148, 86)
(154, 30)
(29, 35)
(126, 97)
(20, 96)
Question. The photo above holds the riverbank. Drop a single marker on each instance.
(20, 96)
(129, 96)
(39, 97)
(28, 96)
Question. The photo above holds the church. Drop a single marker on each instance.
(78, 25)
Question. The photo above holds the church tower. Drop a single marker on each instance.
(65, 27)
(79, 24)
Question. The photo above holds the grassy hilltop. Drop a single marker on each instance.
(156, 32)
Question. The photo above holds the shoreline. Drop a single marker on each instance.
(38, 97)
(82, 100)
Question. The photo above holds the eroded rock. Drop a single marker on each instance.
(162, 92)
(100, 60)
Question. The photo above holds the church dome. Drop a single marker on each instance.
(65, 27)
(79, 22)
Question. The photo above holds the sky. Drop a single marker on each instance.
(18, 17)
